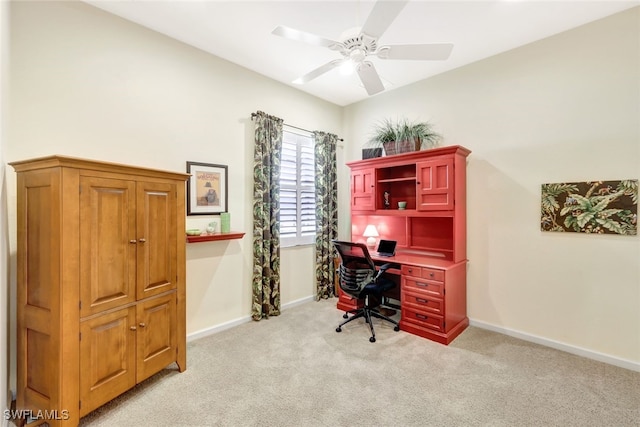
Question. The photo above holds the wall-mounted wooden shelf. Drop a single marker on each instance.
(215, 236)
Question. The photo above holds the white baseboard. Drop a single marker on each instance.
(578, 351)
(232, 323)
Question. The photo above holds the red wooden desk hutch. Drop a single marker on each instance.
(430, 231)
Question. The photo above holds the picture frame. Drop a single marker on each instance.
(207, 188)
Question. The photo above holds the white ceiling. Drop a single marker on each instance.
(240, 32)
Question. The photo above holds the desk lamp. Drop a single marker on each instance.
(371, 233)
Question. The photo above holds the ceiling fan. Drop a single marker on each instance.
(359, 43)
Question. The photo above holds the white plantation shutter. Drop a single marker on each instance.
(297, 189)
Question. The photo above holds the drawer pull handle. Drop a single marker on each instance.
(424, 301)
(430, 274)
(133, 241)
(411, 270)
(142, 240)
(424, 285)
(133, 328)
(142, 324)
(421, 316)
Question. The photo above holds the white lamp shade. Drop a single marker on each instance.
(371, 232)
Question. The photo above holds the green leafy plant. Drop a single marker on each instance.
(402, 136)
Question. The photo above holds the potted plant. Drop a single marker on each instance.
(403, 136)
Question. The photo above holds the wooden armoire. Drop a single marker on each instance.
(100, 282)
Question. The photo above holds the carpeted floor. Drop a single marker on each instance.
(295, 370)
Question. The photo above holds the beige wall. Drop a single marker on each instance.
(88, 84)
(566, 108)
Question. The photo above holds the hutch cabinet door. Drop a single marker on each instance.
(107, 243)
(435, 185)
(157, 239)
(156, 337)
(362, 190)
(107, 357)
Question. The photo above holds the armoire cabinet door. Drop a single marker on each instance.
(107, 357)
(156, 334)
(107, 243)
(156, 235)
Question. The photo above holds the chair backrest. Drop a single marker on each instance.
(356, 267)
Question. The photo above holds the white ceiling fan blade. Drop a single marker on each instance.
(302, 36)
(435, 51)
(319, 71)
(381, 16)
(370, 78)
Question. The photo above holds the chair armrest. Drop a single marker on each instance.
(385, 267)
(382, 269)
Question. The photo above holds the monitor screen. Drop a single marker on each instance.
(387, 247)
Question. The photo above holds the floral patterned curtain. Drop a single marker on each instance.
(266, 216)
(326, 211)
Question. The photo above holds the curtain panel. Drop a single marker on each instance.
(326, 212)
(266, 216)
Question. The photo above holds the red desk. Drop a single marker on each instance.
(432, 294)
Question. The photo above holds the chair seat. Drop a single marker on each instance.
(378, 287)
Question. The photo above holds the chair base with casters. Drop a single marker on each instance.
(367, 313)
(360, 279)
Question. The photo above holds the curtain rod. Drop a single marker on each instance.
(253, 115)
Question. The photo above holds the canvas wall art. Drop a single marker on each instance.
(600, 207)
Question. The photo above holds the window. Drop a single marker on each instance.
(297, 189)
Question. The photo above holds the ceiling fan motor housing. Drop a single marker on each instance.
(357, 48)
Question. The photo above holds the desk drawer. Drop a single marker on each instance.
(425, 272)
(423, 319)
(426, 287)
(423, 302)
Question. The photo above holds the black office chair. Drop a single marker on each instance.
(360, 279)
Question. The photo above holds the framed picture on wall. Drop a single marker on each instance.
(206, 189)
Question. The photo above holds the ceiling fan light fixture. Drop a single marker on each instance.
(347, 68)
(357, 55)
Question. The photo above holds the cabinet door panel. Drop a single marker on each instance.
(157, 244)
(107, 243)
(362, 190)
(156, 335)
(435, 184)
(107, 357)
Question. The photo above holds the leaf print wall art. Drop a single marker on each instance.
(601, 207)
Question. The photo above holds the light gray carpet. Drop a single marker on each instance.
(295, 370)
